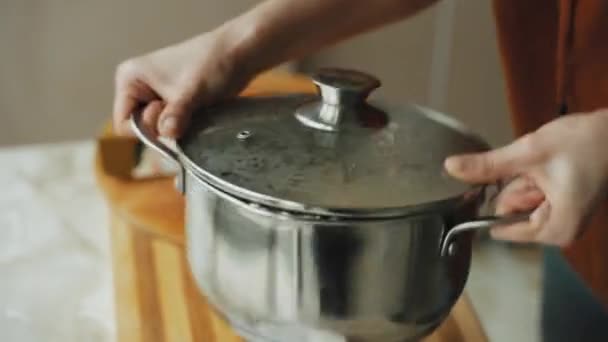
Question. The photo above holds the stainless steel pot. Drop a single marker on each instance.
(326, 219)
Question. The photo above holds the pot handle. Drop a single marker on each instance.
(148, 138)
(447, 248)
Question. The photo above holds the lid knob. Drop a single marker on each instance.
(344, 87)
(342, 93)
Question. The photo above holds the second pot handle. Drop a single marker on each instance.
(447, 247)
(148, 138)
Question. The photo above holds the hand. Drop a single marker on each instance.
(560, 171)
(172, 82)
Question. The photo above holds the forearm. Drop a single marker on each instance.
(280, 30)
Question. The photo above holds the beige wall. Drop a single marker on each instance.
(476, 92)
(58, 59)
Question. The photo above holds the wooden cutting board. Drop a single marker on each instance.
(156, 297)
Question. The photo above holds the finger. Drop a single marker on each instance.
(520, 232)
(521, 203)
(526, 231)
(520, 183)
(493, 165)
(124, 105)
(517, 186)
(150, 115)
(129, 95)
(518, 201)
(174, 118)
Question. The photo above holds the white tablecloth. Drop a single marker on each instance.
(55, 275)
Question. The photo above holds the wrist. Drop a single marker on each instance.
(241, 45)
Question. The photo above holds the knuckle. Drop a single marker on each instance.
(512, 188)
(184, 100)
(180, 105)
(126, 68)
(534, 144)
(226, 67)
(530, 143)
(485, 165)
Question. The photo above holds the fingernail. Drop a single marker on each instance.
(456, 164)
(169, 125)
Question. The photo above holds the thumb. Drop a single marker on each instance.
(487, 167)
(174, 118)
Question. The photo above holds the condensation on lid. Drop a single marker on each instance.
(381, 157)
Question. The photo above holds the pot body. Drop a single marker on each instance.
(280, 277)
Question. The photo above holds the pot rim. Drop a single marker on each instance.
(297, 208)
(290, 210)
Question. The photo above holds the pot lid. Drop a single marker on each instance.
(334, 153)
